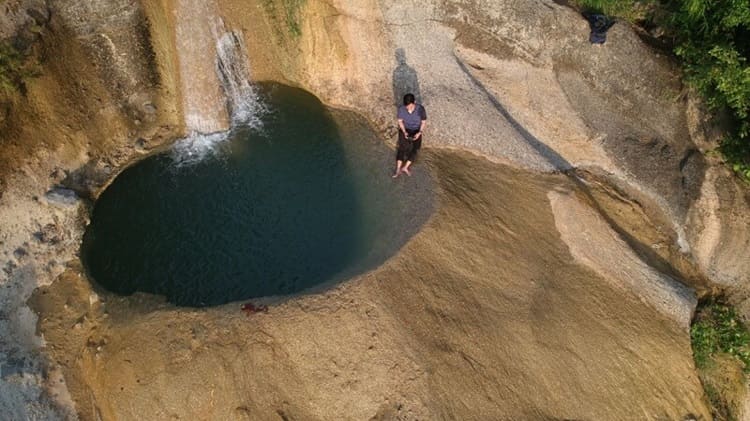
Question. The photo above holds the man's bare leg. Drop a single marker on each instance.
(406, 168)
(398, 168)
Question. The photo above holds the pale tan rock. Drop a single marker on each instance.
(593, 243)
(486, 314)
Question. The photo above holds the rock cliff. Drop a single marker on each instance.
(578, 215)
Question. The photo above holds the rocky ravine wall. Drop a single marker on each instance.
(101, 99)
(516, 82)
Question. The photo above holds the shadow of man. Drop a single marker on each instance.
(405, 80)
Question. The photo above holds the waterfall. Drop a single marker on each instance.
(215, 80)
(231, 66)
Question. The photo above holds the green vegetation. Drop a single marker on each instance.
(718, 329)
(13, 68)
(721, 349)
(292, 8)
(290, 13)
(712, 39)
(631, 10)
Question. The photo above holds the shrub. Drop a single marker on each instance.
(13, 68)
(718, 329)
(291, 12)
(721, 349)
(714, 43)
(631, 10)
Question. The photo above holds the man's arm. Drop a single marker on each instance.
(421, 129)
(401, 127)
(423, 114)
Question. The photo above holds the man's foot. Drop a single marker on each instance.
(406, 170)
(395, 175)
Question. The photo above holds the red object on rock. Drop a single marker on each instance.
(250, 308)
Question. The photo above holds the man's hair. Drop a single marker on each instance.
(408, 99)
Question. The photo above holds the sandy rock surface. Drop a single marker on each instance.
(502, 307)
(494, 319)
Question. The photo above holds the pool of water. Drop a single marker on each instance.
(307, 199)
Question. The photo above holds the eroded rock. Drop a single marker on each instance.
(61, 196)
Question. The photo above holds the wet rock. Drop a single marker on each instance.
(20, 253)
(12, 367)
(88, 178)
(34, 21)
(58, 174)
(49, 234)
(4, 112)
(62, 196)
(149, 108)
(141, 144)
(9, 267)
(40, 14)
(16, 18)
(50, 266)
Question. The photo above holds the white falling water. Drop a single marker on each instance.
(231, 65)
(217, 93)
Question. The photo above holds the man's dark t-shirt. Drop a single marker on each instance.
(413, 120)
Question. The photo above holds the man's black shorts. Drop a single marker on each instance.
(406, 149)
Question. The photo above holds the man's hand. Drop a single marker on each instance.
(418, 135)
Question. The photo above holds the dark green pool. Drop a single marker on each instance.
(305, 200)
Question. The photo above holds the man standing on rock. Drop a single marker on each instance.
(412, 119)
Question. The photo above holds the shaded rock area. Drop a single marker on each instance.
(498, 309)
(492, 319)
